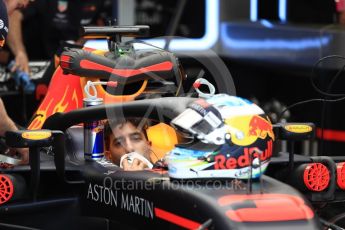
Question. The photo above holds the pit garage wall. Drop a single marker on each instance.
(270, 53)
(274, 58)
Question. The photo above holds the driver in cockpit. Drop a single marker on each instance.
(127, 144)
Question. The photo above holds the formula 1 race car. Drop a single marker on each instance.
(220, 171)
(61, 179)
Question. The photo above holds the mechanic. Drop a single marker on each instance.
(7, 7)
(126, 136)
(45, 24)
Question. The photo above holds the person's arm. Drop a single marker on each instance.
(15, 42)
(6, 124)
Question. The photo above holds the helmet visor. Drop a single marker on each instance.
(193, 122)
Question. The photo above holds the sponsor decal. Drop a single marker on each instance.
(135, 205)
(298, 128)
(64, 94)
(127, 202)
(245, 130)
(201, 106)
(223, 162)
(260, 127)
(36, 135)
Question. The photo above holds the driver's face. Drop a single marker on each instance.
(15, 4)
(127, 138)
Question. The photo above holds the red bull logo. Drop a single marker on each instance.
(260, 127)
(93, 140)
(64, 94)
(222, 162)
(245, 130)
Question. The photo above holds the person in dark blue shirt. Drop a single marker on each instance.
(7, 7)
(45, 24)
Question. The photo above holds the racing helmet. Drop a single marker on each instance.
(231, 137)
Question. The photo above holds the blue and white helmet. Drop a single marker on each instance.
(232, 138)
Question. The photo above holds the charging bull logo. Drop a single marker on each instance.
(64, 94)
(245, 130)
(260, 127)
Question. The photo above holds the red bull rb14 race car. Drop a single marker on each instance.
(219, 170)
(207, 185)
